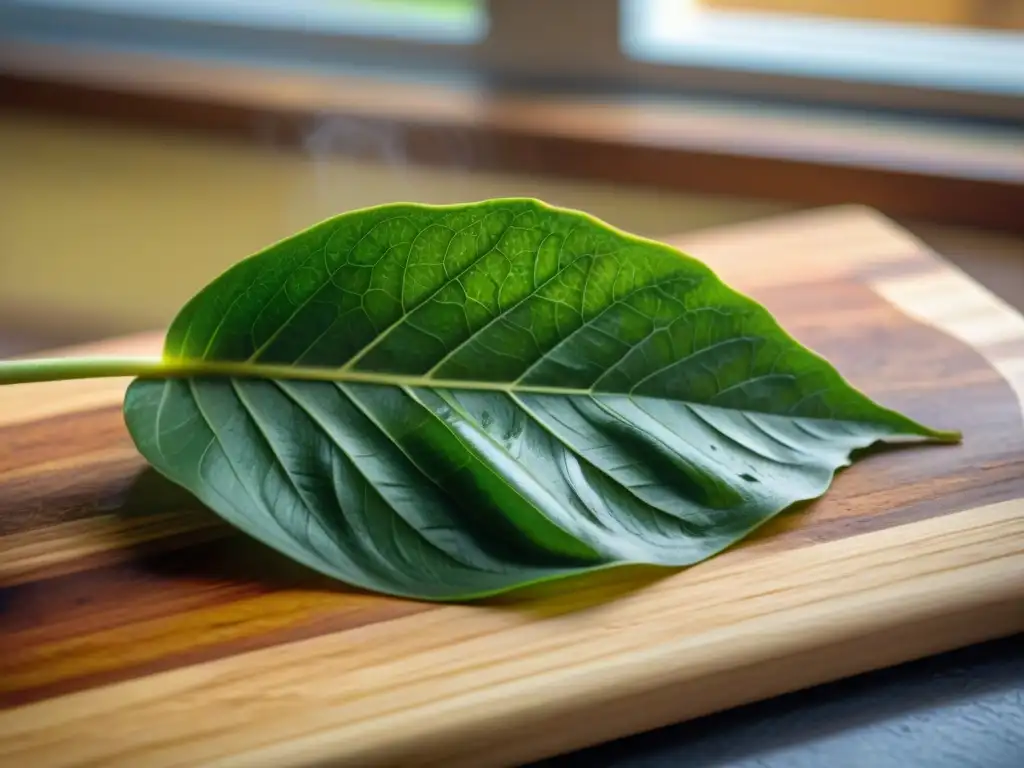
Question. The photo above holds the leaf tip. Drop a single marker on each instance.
(950, 436)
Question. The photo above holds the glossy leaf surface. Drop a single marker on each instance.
(448, 402)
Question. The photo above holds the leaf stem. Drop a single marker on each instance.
(54, 369)
(41, 369)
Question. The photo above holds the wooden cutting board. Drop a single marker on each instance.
(138, 631)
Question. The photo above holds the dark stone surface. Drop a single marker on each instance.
(961, 709)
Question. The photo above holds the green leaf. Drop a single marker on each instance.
(446, 402)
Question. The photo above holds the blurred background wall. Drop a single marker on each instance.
(145, 146)
(109, 230)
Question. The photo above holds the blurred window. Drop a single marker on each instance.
(955, 45)
(451, 21)
(954, 56)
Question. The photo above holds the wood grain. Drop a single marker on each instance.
(137, 630)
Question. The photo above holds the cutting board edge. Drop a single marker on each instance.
(808, 668)
(988, 606)
(824, 635)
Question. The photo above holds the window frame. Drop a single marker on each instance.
(598, 58)
(510, 50)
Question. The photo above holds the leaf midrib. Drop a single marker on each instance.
(201, 368)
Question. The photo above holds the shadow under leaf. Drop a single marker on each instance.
(201, 546)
